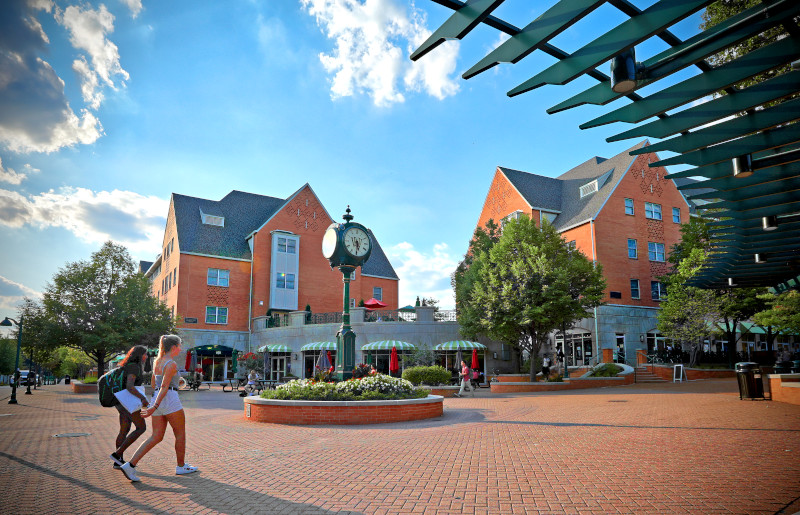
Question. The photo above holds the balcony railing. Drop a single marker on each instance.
(324, 318)
(445, 316)
(390, 315)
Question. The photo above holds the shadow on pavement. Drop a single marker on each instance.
(227, 498)
(593, 424)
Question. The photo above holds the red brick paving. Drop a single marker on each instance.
(656, 448)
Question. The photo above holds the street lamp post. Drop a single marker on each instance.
(7, 323)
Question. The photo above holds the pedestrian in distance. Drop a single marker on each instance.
(546, 366)
(132, 365)
(165, 408)
(465, 380)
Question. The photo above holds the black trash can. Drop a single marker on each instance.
(66, 379)
(782, 367)
(750, 383)
(796, 366)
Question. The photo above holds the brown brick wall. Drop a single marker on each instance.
(502, 200)
(570, 384)
(342, 415)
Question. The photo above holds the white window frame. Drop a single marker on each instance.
(218, 279)
(661, 293)
(377, 293)
(285, 281)
(638, 289)
(635, 249)
(655, 249)
(218, 312)
(676, 215)
(631, 207)
(652, 211)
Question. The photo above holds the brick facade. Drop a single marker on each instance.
(309, 413)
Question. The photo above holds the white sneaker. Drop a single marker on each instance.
(129, 472)
(185, 469)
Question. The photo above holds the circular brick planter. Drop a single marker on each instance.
(444, 391)
(83, 388)
(311, 413)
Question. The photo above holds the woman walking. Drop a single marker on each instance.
(165, 408)
(132, 372)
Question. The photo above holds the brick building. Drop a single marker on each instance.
(620, 213)
(224, 263)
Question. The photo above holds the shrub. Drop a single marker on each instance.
(431, 376)
(607, 370)
(555, 379)
(376, 387)
(89, 380)
(363, 370)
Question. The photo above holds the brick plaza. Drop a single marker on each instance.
(644, 448)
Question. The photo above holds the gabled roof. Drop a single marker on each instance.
(537, 190)
(243, 213)
(144, 266)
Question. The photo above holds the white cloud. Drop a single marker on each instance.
(373, 39)
(135, 220)
(135, 6)
(424, 274)
(88, 29)
(11, 176)
(11, 295)
(34, 113)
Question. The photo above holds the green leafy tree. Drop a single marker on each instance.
(736, 305)
(686, 313)
(8, 353)
(782, 313)
(529, 282)
(103, 306)
(694, 235)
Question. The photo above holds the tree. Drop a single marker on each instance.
(694, 235)
(8, 353)
(103, 306)
(686, 313)
(782, 313)
(529, 282)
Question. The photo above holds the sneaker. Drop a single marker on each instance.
(129, 472)
(185, 469)
(118, 461)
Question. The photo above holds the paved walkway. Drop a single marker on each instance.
(665, 448)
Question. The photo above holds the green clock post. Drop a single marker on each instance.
(346, 246)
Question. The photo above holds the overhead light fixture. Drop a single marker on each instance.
(625, 71)
(796, 65)
(732, 282)
(743, 166)
(760, 258)
(769, 223)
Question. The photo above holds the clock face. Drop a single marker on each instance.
(356, 241)
(329, 243)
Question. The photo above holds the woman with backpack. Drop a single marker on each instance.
(132, 369)
(165, 408)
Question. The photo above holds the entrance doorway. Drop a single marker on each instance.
(278, 368)
(620, 352)
(578, 348)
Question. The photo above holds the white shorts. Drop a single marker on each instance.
(169, 404)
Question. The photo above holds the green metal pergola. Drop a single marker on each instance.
(745, 147)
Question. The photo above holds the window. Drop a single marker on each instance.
(628, 206)
(218, 277)
(287, 245)
(571, 245)
(216, 315)
(652, 210)
(285, 281)
(352, 303)
(505, 352)
(634, 288)
(676, 215)
(377, 293)
(353, 275)
(207, 219)
(633, 251)
(615, 294)
(513, 216)
(175, 276)
(658, 290)
(588, 189)
(655, 251)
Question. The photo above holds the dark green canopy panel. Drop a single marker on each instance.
(746, 148)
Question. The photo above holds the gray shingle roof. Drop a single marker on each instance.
(243, 213)
(539, 191)
(563, 193)
(144, 266)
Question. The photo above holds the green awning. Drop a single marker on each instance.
(388, 344)
(318, 346)
(274, 347)
(460, 344)
(212, 350)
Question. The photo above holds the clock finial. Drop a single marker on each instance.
(347, 216)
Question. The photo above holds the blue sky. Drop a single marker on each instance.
(107, 108)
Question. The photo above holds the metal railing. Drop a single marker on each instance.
(390, 315)
(445, 316)
(277, 320)
(334, 317)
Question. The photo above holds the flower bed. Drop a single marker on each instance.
(370, 388)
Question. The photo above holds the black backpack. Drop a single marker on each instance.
(109, 384)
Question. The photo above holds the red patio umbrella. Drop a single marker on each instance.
(330, 360)
(475, 359)
(394, 364)
(188, 360)
(374, 303)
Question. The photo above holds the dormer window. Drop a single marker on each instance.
(207, 219)
(513, 216)
(592, 187)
